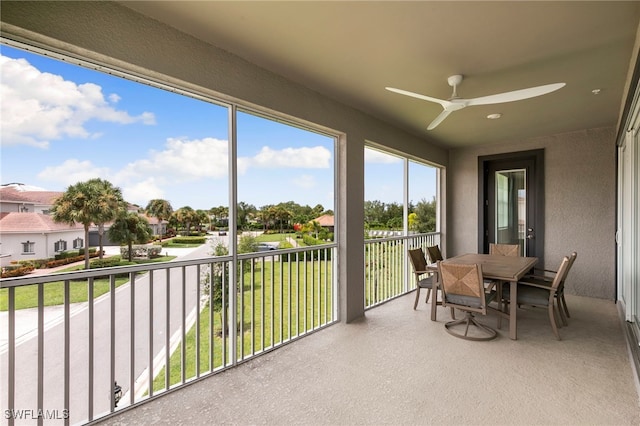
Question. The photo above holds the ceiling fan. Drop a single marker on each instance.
(455, 102)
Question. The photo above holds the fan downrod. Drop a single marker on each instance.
(453, 81)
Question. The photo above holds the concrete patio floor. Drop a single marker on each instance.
(395, 366)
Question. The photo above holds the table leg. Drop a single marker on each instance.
(513, 308)
(434, 301)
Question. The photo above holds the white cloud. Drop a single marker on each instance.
(186, 161)
(73, 171)
(143, 191)
(38, 107)
(375, 156)
(182, 160)
(317, 157)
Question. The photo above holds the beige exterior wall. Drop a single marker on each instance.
(580, 204)
(11, 245)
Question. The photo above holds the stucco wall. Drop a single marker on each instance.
(580, 200)
(11, 247)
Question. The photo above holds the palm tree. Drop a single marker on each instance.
(88, 202)
(110, 203)
(244, 210)
(316, 227)
(204, 218)
(161, 210)
(186, 216)
(130, 228)
(282, 215)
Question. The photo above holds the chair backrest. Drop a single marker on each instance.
(418, 260)
(462, 286)
(572, 258)
(504, 249)
(560, 276)
(434, 253)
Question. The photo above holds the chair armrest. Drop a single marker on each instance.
(538, 277)
(545, 287)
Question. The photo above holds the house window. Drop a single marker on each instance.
(77, 243)
(28, 247)
(60, 246)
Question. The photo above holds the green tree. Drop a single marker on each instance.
(130, 228)
(373, 213)
(219, 213)
(110, 204)
(282, 215)
(267, 215)
(413, 220)
(426, 215)
(244, 212)
(185, 216)
(247, 244)
(161, 210)
(92, 201)
(202, 217)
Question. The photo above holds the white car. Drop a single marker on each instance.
(266, 247)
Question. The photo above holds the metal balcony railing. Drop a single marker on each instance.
(144, 330)
(387, 268)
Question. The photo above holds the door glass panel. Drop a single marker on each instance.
(511, 202)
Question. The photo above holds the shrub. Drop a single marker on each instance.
(66, 261)
(35, 263)
(141, 251)
(189, 240)
(106, 263)
(13, 271)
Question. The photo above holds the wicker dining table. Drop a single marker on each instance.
(502, 269)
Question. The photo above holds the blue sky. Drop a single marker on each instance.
(62, 123)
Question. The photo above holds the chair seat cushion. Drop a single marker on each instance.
(473, 302)
(528, 295)
(426, 282)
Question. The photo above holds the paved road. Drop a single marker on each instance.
(26, 351)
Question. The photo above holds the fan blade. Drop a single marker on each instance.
(439, 119)
(515, 95)
(442, 102)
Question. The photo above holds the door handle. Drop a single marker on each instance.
(530, 237)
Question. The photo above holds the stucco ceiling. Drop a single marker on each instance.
(351, 50)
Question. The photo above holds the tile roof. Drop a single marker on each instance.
(325, 220)
(9, 194)
(32, 222)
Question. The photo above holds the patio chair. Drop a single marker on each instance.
(425, 278)
(535, 294)
(504, 249)
(543, 277)
(463, 289)
(434, 253)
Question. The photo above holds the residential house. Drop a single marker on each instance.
(27, 230)
(326, 221)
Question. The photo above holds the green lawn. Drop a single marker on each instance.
(259, 307)
(274, 238)
(27, 296)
